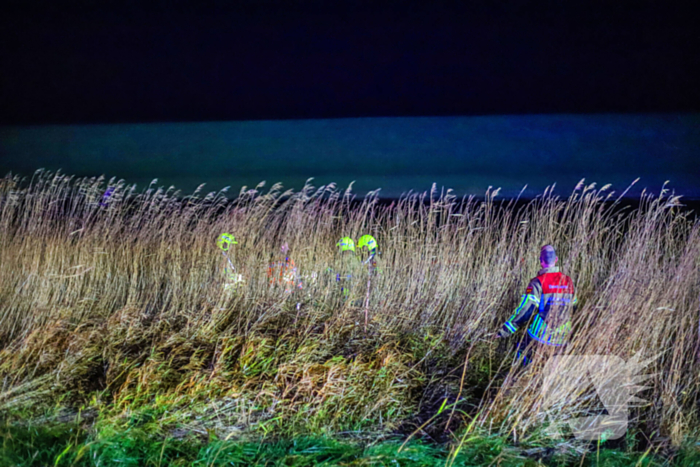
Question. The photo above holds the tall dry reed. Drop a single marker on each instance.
(130, 290)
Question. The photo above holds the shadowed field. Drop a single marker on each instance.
(121, 331)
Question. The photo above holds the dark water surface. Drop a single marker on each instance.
(467, 154)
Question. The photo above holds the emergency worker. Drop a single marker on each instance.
(284, 272)
(547, 306)
(232, 277)
(348, 264)
(369, 242)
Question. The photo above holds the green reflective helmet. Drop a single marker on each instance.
(369, 242)
(346, 244)
(225, 241)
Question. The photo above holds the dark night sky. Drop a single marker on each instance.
(121, 62)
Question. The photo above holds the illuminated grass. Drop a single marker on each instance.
(69, 445)
(119, 308)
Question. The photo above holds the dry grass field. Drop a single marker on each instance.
(116, 313)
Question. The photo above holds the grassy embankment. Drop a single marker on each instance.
(120, 340)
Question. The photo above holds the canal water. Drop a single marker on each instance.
(467, 154)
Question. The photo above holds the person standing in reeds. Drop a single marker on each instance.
(348, 264)
(284, 272)
(547, 305)
(370, 243)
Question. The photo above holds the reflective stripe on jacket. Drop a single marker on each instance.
(550, 297)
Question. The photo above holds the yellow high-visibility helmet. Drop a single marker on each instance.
(346, 244)
(368, 241)
(225, 241)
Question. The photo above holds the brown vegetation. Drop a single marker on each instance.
(121, 303)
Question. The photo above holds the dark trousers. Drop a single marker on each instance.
(527, 347)
(524, 349)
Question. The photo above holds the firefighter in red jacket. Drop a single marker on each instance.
(284, 272)
(547, 305)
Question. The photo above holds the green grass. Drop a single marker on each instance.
(69, 444)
